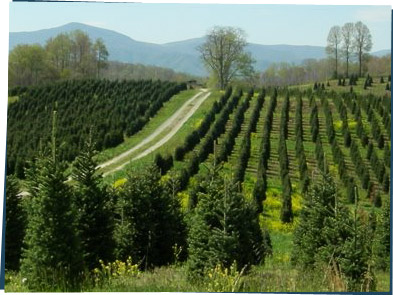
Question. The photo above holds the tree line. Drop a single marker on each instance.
(68, 55)
(352, 39)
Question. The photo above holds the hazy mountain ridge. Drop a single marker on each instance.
(181, 56)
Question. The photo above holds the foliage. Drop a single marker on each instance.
(328, 235)
(223, 228)
(223, 53)
(114, 109)
(52, 257)
(223, 279)
(148, 219)
(94, 214)
(382, 243)
(115, 272)
(15, 223)
(68, 55)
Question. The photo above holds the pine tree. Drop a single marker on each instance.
(52, 258)
(94, 214)
(15, 224)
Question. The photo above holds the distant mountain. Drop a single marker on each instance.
(382, 52)
(180, 56)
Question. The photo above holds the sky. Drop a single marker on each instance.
(162, 23)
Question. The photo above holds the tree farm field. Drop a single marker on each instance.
(213, 164)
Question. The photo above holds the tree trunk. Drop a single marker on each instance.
(360, 64)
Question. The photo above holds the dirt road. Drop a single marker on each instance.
(169, 127)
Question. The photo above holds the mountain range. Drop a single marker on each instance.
(181, 56)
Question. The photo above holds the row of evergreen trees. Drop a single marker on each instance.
(245, 148)
(114, 108)
(378, 166)
(376, 131)
(300, 154)
(286, 208)
(344, 120)
(207, 146)
(195, 137)
(228, 142)
(260, 187)
(381, 105)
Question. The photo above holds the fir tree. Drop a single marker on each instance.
(94, 214)
(14, 225)
(148, 219)
(52, 258)
(382, 246)
(328, 233)
(224, 228)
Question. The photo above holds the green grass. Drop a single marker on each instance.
(168, 147)
(167, 110)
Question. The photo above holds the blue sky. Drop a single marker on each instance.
(161, 23)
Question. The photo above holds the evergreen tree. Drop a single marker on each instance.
(14, 224)
(52, 258)
(259, 192)
(329, 234)
(382, 245)
(223, 228)
(94, 214)
(148, 220)
(286, 208)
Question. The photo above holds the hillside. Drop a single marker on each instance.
(180, 56)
